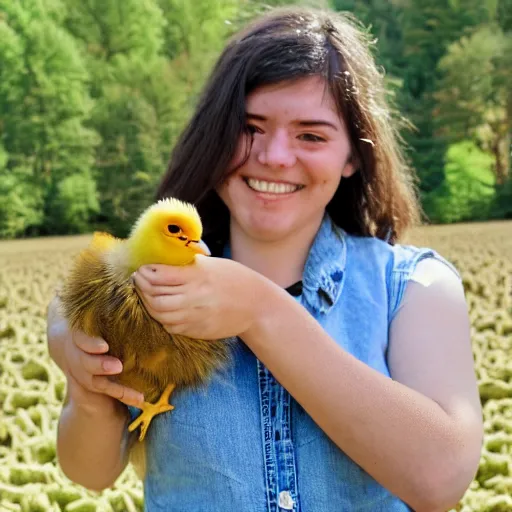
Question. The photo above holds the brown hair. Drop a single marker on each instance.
(288, 44)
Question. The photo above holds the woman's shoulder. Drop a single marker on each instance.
(398, 264)
(398, 258)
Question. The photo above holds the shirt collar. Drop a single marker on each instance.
(324, 271)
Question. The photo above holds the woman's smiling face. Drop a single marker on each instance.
(299, 154)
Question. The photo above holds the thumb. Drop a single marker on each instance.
(200, 258)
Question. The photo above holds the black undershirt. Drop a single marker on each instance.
(295, 289)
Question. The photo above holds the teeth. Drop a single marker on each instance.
(272, 187)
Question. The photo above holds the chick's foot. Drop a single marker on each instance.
(151, 410)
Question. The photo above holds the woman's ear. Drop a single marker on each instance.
(349, 168)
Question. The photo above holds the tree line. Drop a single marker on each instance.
(93, 95)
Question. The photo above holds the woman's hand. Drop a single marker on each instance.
(83, 361)
(212, 299)
(88, 371)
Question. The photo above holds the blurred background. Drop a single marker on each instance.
(93, 94)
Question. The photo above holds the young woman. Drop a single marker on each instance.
(352, 384)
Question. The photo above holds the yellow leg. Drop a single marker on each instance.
(150, 410)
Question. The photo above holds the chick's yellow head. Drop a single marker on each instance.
(168, 232)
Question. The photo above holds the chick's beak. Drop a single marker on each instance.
(199, 247)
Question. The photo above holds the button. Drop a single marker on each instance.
(285, 500)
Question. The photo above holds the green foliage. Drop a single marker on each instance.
(148, 66)
(503, 205)
(22, 203)
(436, 87)
(474, 95)
(46, 95)
(11, 57)
(134, 124)
(428, 28)
(469, 188)
(116, 28)
(210, 18)
(73, 205)
(94, 94)
(44, 104)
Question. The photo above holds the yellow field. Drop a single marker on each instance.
(32, 387)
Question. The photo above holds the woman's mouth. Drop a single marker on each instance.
(272, 187)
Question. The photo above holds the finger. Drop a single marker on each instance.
(202, 258)
(171, 318)
(166, 275)
(143, 285)
(89, 344)
(100, 365)
(124, 394)
(165, 303)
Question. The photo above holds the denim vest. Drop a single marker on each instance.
(242, 443)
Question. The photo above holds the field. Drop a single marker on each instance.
(32, 387)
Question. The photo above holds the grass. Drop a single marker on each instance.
(32, 387)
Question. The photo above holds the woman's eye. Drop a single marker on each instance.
(253, 129)
(310, 137)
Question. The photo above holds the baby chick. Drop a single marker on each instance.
(99, 299)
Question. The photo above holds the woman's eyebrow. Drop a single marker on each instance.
(301, 122)
(316, 122)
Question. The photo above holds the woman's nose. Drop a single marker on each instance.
(275, 151)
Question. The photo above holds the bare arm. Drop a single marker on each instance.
(57, 330)
(92, 445)
(92, 437)
(419, 435)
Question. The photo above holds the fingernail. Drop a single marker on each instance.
(112, 366)
(102, 346)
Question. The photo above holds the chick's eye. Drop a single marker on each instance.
(173, 229)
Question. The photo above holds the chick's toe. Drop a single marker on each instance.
(151, 410)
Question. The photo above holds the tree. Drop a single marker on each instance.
(121, 42)
(113, 29)
(147, 64)
(468, 191)
(73, 202)
(474, 96)
(44, 105)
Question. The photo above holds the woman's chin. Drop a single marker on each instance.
(269, 231)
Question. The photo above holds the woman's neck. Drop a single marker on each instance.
(281, 261)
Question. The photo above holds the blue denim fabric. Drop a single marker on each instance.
(242, 443)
